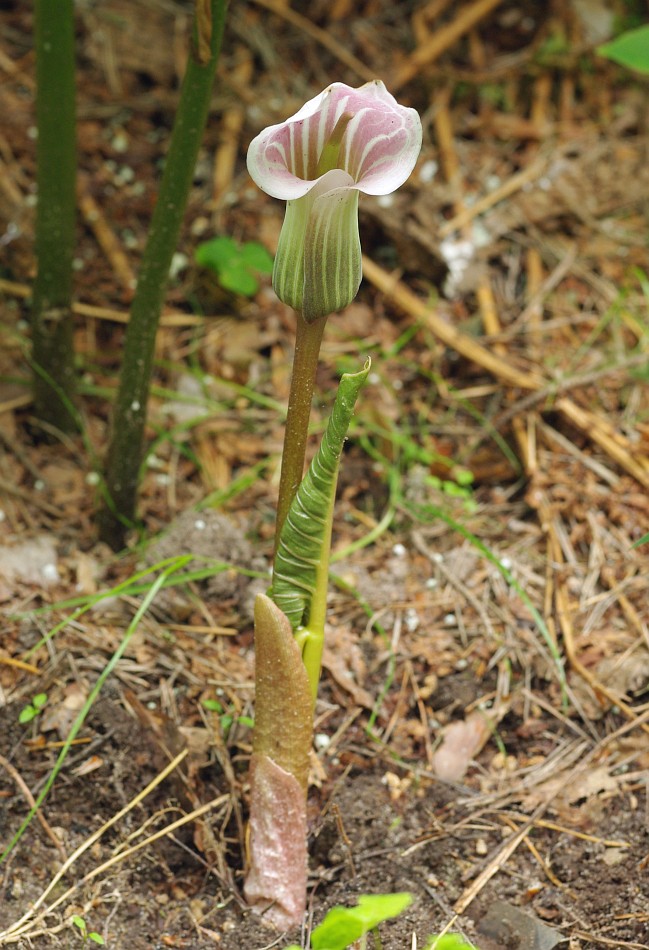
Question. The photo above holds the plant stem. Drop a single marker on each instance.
(52, 326)
(305, 363)
(126, 450)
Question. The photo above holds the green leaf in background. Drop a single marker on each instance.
(225, 718)
(213, 705)
(642, 540)
(256, 256)
(631, 49)
(237, 278)
(343, 925)
(32, 710)
(235, 265)
(217, 253)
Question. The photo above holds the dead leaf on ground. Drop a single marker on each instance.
(60, 715)
(461, 742)
(566, 790)
(511, 927)
(343, 658)
(32, 562)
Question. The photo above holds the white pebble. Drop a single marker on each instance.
(428, 171)
(120, 142)
(50, 572)
(179, 263)
(411, 619)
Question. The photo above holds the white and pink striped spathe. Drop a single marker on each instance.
(378, 150)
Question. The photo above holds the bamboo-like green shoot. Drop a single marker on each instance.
(52, 326)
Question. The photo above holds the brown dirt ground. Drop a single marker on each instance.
(449, 761)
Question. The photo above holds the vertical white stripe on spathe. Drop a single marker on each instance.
(352, 143)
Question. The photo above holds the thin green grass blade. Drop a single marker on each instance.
(237, 486)
(373, 535)
(178, 564)
(134, 586)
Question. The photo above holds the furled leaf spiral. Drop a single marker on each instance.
(306, 532)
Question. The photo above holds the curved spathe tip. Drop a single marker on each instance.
(379, 148)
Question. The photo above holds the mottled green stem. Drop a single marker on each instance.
(279, 771)
(52, 327)
(126, 447)
(305, 363)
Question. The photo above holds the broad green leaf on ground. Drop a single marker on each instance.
(236, 265)
(237, 278)
(217, 253)
(630, 49)
(256, 256)
(343, 925)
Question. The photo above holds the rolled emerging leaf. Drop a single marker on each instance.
(301, 569)
(341, 143)
(303, 550)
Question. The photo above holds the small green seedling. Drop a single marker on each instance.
(32, 710)
(236, 266)
(225, 718)
(448, 942)
(342, 926)
(460, 488)
(85, 933)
